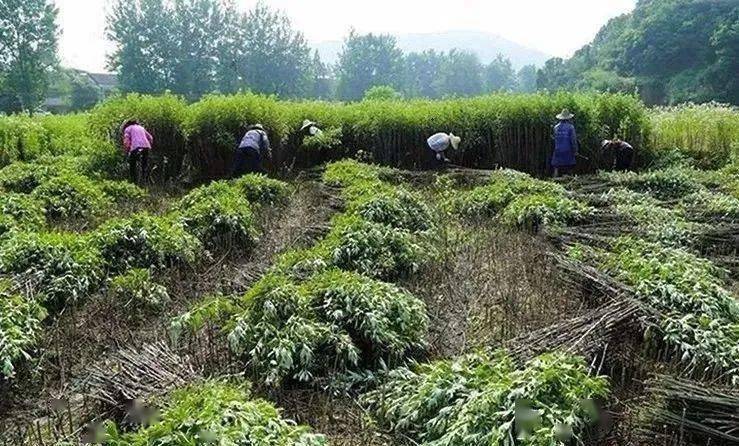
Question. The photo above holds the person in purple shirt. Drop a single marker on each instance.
(137, 143)
(565, 144)
(248, 156)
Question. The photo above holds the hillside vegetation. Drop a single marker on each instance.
(670, 51)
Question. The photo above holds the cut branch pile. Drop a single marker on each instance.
(689, 411)
(140, 373)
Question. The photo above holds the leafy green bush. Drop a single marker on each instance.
(709, 204)
(382, 319)
(23, 177)
(304, 263)
(20, 327)
(218, 215)
(212, 310)
(398, 209)
(122, 192)
(22, 212)
(505, 185)
(71, 196)
(260, 189)
(655, 222)
(143, 241)
(697, 313)
(374, 249)
(282, 338)
(666, 184)
(531, 211)
(21, 137)
(136, 289)
(482, 399)
(336, 320)
(216, 412)
(163, 116)
(324, 142)
(61, 267)
(216, 123)
(347, 172)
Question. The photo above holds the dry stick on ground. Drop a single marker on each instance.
(693, 410)
(141, 373)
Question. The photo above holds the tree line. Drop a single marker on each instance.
(193, 47)
(196, 47)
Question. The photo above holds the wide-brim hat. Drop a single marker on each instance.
(455, 140)
(605, 143)
(306, 124)
(256, 127)
(565, 115)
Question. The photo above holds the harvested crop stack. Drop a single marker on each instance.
(684, 411)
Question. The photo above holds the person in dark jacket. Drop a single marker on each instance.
(622, 152)
(565, 144)
(248, 157)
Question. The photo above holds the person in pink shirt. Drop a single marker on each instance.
(137, 142)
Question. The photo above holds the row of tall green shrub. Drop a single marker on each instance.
(510, 130)
(504, 129)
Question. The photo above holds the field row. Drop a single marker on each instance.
(513, 131)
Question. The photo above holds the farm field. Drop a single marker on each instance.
(355, 297)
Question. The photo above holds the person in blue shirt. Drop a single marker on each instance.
(565, 144)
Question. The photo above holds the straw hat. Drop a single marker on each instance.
(455, 140)
(565, 115)
(307, 123)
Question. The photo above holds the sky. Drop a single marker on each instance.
(556, 27)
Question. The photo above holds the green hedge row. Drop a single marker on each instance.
(508, 130)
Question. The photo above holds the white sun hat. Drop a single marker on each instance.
(455, 140)
(565, 115)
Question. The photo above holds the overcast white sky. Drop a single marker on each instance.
(556, 27)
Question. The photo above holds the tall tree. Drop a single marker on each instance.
(461, 74)
(141, 31)
(230, 51)
(322, 80)
(84, 94)
(526, 79)
(278, 58)
(190, 47)
(555, 75)
(670, 50)
(28, 43)
(500, 75)
(367, 61)
(196, 27)
(421, 71)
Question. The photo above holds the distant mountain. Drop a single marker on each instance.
(486, 45)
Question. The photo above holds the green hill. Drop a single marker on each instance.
(670, 51)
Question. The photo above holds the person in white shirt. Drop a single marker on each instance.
(439, 144)
(310, 128)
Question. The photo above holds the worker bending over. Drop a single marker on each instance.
(248, 157)
(439, 144)
(622, 152)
